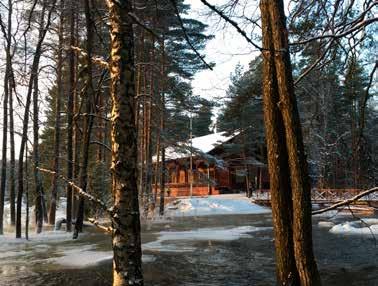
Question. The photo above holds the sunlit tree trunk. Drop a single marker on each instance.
(299, 178)
(127, 264)
(277, 161)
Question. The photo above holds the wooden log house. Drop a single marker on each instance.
(219, 166)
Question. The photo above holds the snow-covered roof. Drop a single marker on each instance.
(202, 144)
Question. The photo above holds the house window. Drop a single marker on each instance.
(240, 174)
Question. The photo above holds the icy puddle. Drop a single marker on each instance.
(177, 241)
(232, 250)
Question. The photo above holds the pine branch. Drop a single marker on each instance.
(346, 202)
(174, 4)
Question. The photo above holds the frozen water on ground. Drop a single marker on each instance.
(214, 205)
(169, 241)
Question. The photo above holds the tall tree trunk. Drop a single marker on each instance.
(5, 141)
(277, 161)
(76, 113)
(7, 76)
(162, 133)
(70, 112)
(148, 188)
(89, 102)
(127, 262)
(12, 177)
(40, 206)
(33, 74)
(27, 194)
(299, 178)
(59, 96)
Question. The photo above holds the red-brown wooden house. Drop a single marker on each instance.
(219, 165)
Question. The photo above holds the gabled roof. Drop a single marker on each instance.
(201, 145)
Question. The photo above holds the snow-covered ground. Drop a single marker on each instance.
(60, 211)
(364, 226)
(214, 205)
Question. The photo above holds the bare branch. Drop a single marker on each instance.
(97, 60)
(357, 27)
(96, 223)
(346, 202)
(102, 144)
(140, 23)
(233, 23)
(79, 190)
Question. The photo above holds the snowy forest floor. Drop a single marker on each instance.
(219, 240)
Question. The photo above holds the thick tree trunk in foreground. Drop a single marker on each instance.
(127, 261)
(278, 162)
(279, 96)
(300, 183)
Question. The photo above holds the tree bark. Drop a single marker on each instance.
(89, 102)
(162, 127)
(59, 96)
(7, 90)
(5, 140)
(277, 161)
(299, 178)
(127, 261)
(40, 205)
(70, 112)
(12, 177)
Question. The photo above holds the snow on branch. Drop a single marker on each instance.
(79, 190)
(96, 223)
(346, 202)
(97, 60)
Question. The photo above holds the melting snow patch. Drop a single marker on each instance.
(214, 205)
(201, 234)
(366, 226)
(86, 256)
(326, 224)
